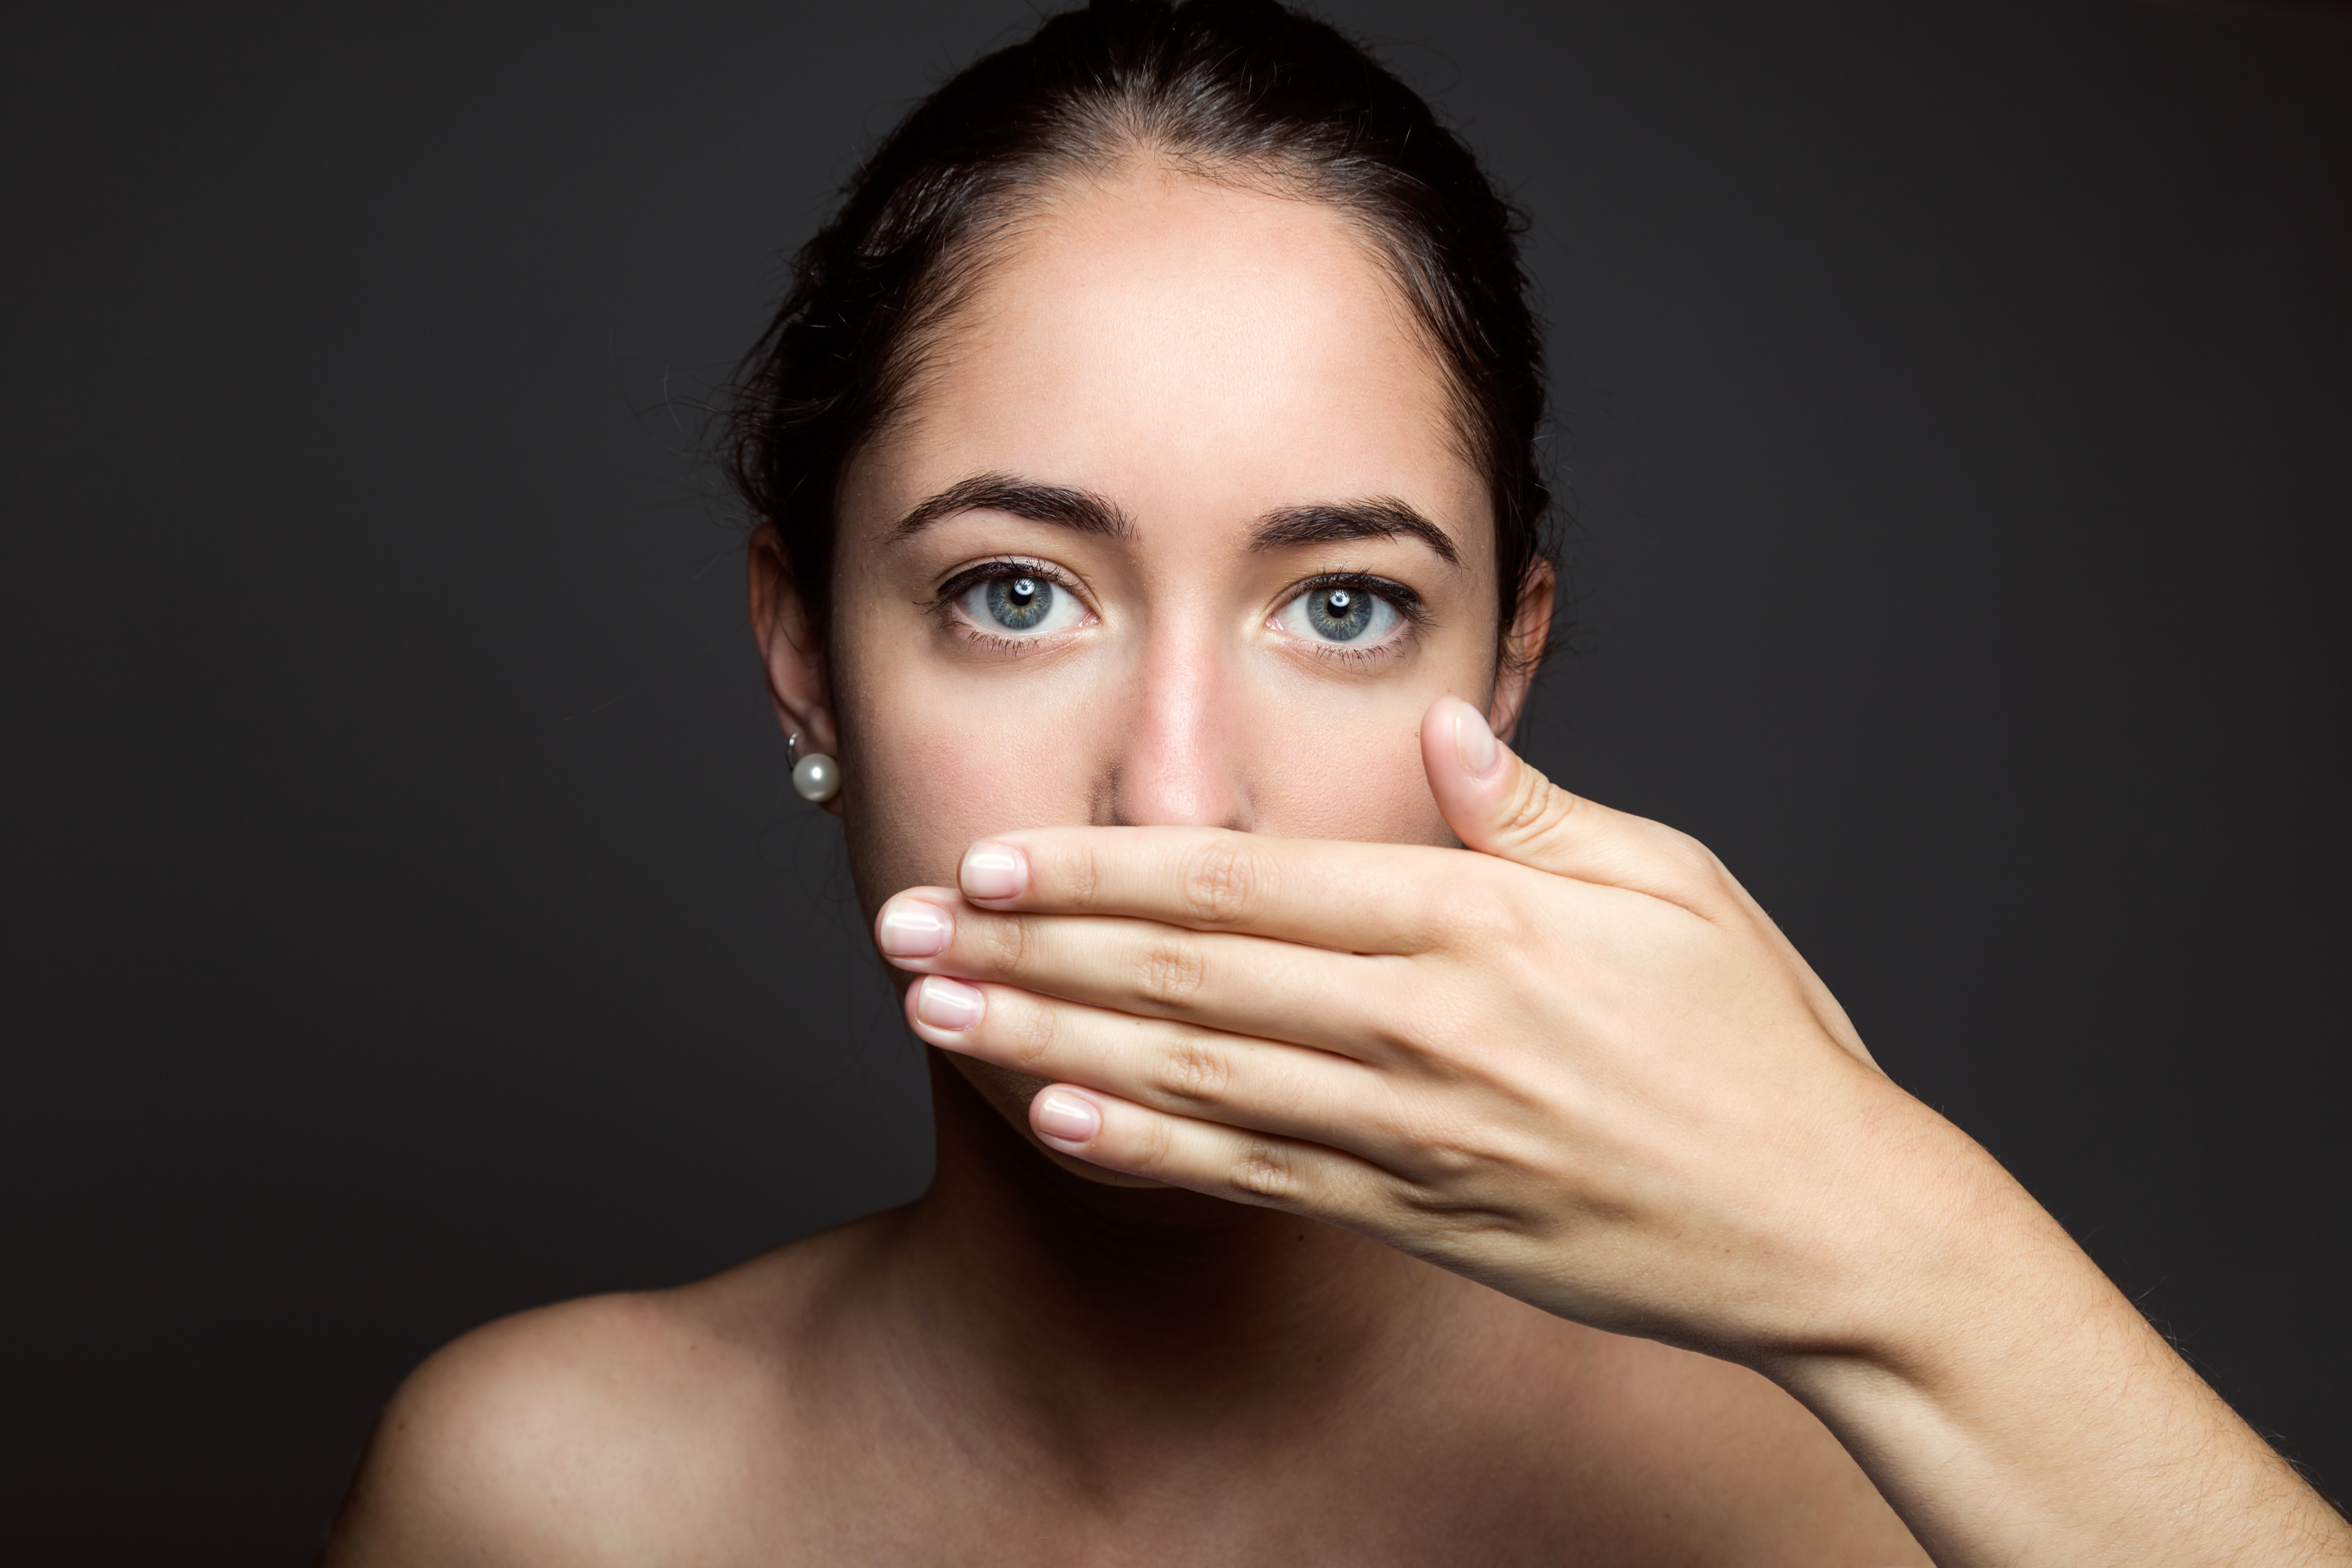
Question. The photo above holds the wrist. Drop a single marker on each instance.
(1942, 1276)
(2010, 1403)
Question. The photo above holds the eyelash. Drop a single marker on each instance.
(971, 577)
(1401, 599)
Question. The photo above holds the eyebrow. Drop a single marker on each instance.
(1381, 517)
(1066, 507)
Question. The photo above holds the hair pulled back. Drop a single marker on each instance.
(1245, 91)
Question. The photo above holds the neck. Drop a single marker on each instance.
(1103, 1307)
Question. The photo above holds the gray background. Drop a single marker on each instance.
(409, 919)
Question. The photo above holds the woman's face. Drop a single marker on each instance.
(1174, 528)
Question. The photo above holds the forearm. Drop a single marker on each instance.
(2016, 1409)
(1581, 1067)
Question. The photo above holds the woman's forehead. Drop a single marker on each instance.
(1191, 349)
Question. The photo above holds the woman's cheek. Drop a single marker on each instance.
(1370, 788)
(940, 763)
(1345, 762)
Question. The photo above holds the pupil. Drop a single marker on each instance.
(1338, 616)
(1018, 603)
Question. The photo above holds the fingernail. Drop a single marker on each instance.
(994, 871)
(1474, 741)
(912, 929)
(1063, 1117)
(945, 1003)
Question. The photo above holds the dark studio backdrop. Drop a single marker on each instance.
(409, 917)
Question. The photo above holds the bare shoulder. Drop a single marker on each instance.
(598, 1431)
(1739, 1464)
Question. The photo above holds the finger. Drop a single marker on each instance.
(1204, 1074)
(1336, 1002)
(1351, 897)
(1498, 805)
(1222, 1161)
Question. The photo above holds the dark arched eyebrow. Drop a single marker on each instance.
(1381, 517)
(1079, 509)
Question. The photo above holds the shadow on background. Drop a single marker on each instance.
(409, 916)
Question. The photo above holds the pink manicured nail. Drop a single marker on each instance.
(994, 871)
(912, 929)
(1474, 741)
(1063, 1117)
(945, 1003)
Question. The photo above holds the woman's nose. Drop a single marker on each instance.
(1177, 756)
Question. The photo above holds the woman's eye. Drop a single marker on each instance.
(1340, 614)
(1022, 603)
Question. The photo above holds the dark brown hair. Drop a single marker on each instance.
(1241, 90)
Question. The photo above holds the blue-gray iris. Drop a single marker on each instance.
(1340, 614)
(1018, 603)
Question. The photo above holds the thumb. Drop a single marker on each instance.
(1499, 805)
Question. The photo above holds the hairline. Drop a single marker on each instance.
(1004, 215)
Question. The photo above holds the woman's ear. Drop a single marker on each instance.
(789, 651)
(1523, 650)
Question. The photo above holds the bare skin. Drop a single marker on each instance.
(1062, 1354)
(1026, 1368)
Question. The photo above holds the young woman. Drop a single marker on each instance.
(1352, 1147)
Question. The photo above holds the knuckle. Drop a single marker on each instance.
(1194, 1074)
(1444, 1145)
(1688, 865)
(1006, 945)
(1450, 1159)
(1222, 881)
(1171, 971)
(1536, 807)
(1154, 1143)
(1083, 877)
(1263, 1170)
(1029, 1033)
(1679, 850)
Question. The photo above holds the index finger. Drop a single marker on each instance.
(1350, 896)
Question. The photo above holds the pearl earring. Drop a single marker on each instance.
(816, 776)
